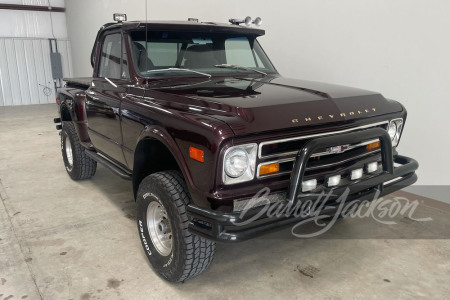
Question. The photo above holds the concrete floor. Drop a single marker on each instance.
(61, 239)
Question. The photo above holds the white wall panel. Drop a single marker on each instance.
(63, 48)
(25, 95)
(40, 72)
(6, 94)
(69, 60)
(32, 79)
(32, 24)
(1, 91)
(48, 70)
(25, 70)
(47, 81)
(13, 73)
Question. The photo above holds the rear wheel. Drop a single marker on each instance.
(78, 164)
(174, 253)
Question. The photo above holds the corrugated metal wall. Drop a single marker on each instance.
(25, 70)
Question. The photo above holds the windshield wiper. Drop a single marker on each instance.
(181, 85)
(237, 67)
(180, 69)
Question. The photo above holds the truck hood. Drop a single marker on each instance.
(250, 105)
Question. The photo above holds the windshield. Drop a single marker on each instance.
(168, 52)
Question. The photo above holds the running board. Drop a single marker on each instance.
(100, 159)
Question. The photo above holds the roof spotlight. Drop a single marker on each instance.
(257, 21)
(248, 21)
(120, 17)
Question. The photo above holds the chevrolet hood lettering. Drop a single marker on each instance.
(272, 103)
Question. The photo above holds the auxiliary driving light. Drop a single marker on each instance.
(356, 174)
(309, 185)
(120, 17)
(257, 21)
(248, 21)
(372, 167)
(333, 180)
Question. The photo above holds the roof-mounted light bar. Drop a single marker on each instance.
(247, 21)
(120, 17)
(193, 20)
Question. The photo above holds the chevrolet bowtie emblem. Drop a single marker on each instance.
(337, 149)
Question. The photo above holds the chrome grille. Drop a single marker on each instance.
(290, 146)
(321, 158)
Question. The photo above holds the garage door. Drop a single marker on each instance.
(25, 70)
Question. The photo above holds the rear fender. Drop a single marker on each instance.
(73, 108)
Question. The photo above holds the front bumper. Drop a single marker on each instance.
(219, 226)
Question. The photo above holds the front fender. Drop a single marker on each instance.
(161, 135)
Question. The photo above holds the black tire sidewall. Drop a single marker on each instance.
(169, 267)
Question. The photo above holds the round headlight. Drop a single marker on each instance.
(236, 163)
(392, 130)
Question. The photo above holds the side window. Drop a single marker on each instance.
(113, 63)
(239, 52)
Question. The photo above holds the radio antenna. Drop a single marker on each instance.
(146, 39)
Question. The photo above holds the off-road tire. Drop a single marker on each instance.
(190, 254)
(82, 167)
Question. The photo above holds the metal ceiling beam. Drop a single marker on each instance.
(32, 7)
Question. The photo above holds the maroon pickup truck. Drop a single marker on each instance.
(198, 119)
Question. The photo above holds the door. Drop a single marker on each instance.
(104, 97)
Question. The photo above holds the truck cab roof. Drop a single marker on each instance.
(177, 26)
(185, 26)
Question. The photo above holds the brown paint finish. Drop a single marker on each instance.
(211, 115)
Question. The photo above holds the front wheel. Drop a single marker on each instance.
(174, 253)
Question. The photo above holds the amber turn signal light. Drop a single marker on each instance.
(269, 169)
(372, 146)
(197, 154)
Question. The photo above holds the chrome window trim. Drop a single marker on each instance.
(307, 168)
(309, 136)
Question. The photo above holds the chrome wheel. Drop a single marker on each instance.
(159, 228)
(68, 149)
